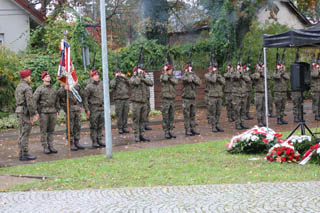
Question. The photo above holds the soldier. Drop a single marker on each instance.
(138, 100)
(26, 112)
(259, 98)
(315, 87)
(168, 94)
(228, 92)
(246, 70)
(45, 97)
(239, 93)
(214, 83)
(120, 86)
(281, 79)
(94, 107)
(146, 85)
(74, 114)
(190, 81)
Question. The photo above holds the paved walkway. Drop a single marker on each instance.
(261, 197)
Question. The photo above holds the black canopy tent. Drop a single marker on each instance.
(304, 38)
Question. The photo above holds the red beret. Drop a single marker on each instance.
(169, 67)
(186, 67)
(134, 69)
(94, 72)
(25, 73)
(44, 74)
(244, 67)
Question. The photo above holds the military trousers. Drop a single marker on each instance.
(280, 99)
(189, 113)
(259, 101)
(270, 102)
(96, 125)
(47, 126)
(139, 112)
(238, 103)
(214, 109)
(75, 125)
(25, 127)
(248, 102)
(148, 111)
(122, 110)
(168, 110)
(297, 104)
(229, 106)
(316, 103)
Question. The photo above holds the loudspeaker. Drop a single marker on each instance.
(300, 76)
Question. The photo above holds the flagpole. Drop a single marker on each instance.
(104, 47)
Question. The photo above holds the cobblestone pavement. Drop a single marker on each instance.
(261, 197)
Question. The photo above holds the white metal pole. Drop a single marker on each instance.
(107, 117)
(266, 85)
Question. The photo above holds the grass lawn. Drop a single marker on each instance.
(202, 163)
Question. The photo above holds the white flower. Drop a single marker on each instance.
(270, 137)
(318, 151)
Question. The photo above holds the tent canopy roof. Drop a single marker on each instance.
(308, 38)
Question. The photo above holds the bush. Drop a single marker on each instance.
(9, 122)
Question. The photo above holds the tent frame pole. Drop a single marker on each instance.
(266, 85)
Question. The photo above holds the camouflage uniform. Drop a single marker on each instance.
(146, 84)
(168, 94)
(315, 92)
(228, 95)
(74, 112)
(190, 81)
(214, 83)
(94, 103)
(259, 98)
(45, 97)
(139, 103)
(297, 103)
(239, 93)
(281, 79)
(120, 86)
(25, 109)
(246, 112)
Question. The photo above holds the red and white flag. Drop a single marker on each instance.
(66, 72)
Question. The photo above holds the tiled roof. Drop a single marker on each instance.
(34, 14)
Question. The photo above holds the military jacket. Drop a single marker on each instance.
(139, 92)
(249, 82)
(258, 81)
(239, 80)
(120, 86)
(24, 99)
(214, 83)
(315, 80)
(168, 86)
(281, 80)
(146, 83)
(228, 85)
(45, 98)
(93, 96)
(74, 105)
(190, 80)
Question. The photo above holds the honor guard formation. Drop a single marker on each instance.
(234, 88)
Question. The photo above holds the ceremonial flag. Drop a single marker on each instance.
(66, 72)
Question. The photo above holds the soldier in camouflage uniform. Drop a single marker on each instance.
(45, 97)
(214, 83)
(74, 114)
(228, 93)
(168, 94)
(94, 107)
(239, 93)
(26, 111)
(120, 86)
(246, 70)
(190, 82)
(138, 100)
(259, 98)
(146, 86)
(315, 87)
(281, 79)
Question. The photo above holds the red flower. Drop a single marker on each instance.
(279, 153)
(280, 140)
(283, 159)
(288, 152)
(277, 135)
(265, 140)
(315, 146)
(290, 158)
(271, 159)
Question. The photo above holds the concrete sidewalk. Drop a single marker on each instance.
(260, 197)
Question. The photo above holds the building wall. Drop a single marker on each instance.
(285, 17)
(14, 26)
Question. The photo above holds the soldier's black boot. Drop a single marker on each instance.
(194, 132)
(53, 150)
(26, 157)
(142, 138)
(188, 133)
(260, 123)
(264, 123)
(46, 150)
(125, 130)
(214, 129)
(219, 129)
(137, 139)
(100, 143)
(248, 116)
(167, 135)
(95, 144)
(244, 126)
(78, 145)
(270, 115)
(73, 147)
(147, 128)
(172, 135)
(283, 121)
(120, 131)
(238, 127)
(279, 121)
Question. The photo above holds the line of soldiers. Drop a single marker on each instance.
(45, 103)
